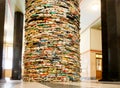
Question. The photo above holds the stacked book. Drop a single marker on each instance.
(52, 40)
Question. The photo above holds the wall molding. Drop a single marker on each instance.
(98, 51)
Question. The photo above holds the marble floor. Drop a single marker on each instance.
(85, 84)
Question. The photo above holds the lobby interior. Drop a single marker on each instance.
(99, 46)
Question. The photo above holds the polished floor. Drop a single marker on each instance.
(85, 84)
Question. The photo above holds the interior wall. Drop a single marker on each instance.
(85, 66)
(92, 65)
(85, 54)
(96, 42)
(9, 22)
(11, 7)
(8, 38)
(96, 48)
(90, 46)
(85, 40)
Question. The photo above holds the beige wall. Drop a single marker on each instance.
(8, 38)
(96, 46)
(8, 73)
(85, 53)
(85, 40)
(90, 45)
(85, 65)
(95, 39)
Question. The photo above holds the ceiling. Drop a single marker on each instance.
(90, 13)
(20, 5)
(96, 24)
(89, 10)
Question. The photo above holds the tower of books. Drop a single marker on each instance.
(52, 40)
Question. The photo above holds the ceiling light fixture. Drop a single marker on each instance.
(95, 7)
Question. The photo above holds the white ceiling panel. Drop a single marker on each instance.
(20, 5)
(90, 12)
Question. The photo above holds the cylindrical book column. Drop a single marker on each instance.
(52, 40)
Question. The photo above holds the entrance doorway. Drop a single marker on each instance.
(98, 66)
(8, 55)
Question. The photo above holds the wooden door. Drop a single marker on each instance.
(98, 68)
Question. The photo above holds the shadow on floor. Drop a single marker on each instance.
(57, 85)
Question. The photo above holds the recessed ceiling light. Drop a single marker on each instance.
(95, 7)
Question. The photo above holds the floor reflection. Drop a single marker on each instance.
(21, 84)
(57, 85)
(8, 85)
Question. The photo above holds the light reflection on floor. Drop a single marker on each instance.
(87, 84)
